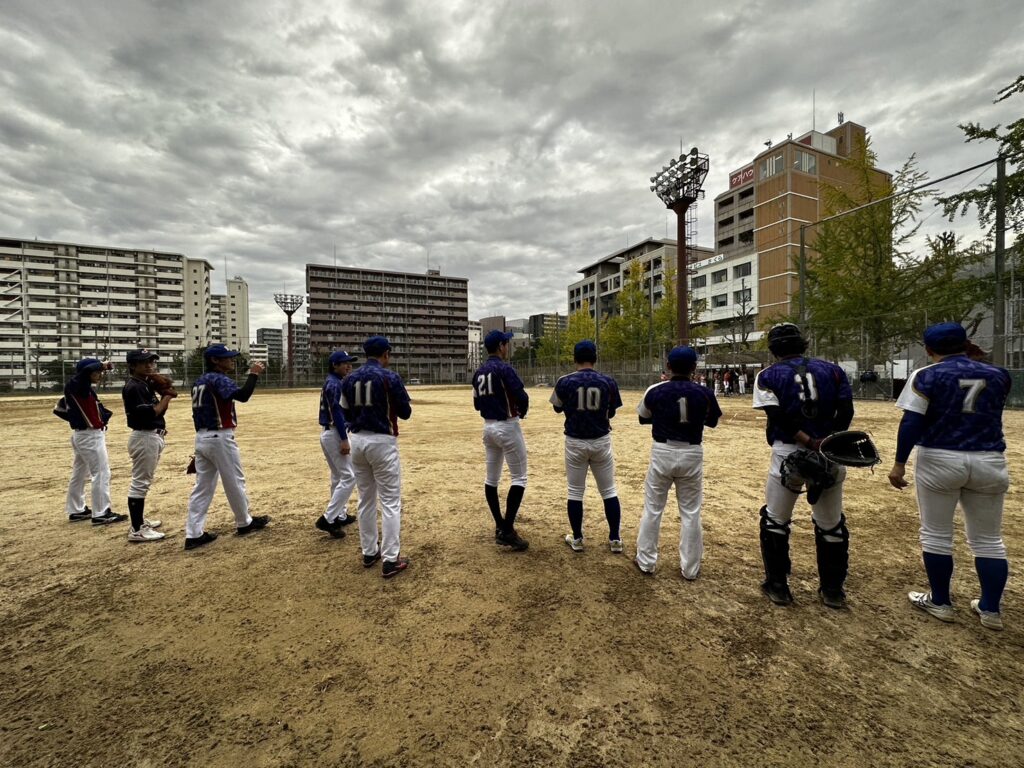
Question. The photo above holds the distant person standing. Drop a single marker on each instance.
(588, 400)
(145, 410)
(677, 410)
(214, 395)
(953, 414)
(373, 399)
(336, 447)
(501, 399)
(88, 419)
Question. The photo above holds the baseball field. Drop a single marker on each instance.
(279, 649)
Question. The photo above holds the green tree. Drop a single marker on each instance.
(868, 291)
(556, 348)
(1010, 143)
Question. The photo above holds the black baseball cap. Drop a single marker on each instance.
(141, 356)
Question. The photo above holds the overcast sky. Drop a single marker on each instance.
(507, 142)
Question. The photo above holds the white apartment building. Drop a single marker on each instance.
(68, 301)
(728, 287)
(259, 353)
(229, 322)
(300, 332)
(476, 343)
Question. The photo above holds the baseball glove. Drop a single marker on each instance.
(851, 449)
(162, 385)
(811, 469)
(191, 468)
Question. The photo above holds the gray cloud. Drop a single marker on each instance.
(508, 143)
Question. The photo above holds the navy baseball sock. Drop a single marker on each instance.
(613, 513)
(940, 570)
(575, 509)
(992, 573)
(512, 502)
(491, 494)
(136, 509)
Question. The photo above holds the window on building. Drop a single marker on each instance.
(700, 281)
(725, 242)
(741, 297)
(726, 202)
(805, 161)
(719, 276)
(741, 270)
(746, 193)
(749, 213)
(746, 238)
(721, 300)
(770, 166)
(726, 221)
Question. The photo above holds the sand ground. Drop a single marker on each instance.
(279, 649)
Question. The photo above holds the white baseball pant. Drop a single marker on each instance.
(343, 479)
(781, 501)
(89, 447)
(504, 443)
(217, 455)
(682, 464)
(595, 455)
(378, 472)
(144, 449)
(978, 480)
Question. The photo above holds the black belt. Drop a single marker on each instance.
(160, 432)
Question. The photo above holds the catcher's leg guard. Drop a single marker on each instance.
(775, 554)
(833, 550)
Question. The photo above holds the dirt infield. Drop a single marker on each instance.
(279, 649)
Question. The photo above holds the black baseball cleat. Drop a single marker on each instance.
(199, 541)
(332, 528)
(369, 560)
(777, 592)
(833, 598)
(394, 567)
(347, 520)
(258, 522)
(75, 517)
(108, 517)
(512, 540)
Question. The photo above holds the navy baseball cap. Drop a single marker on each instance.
(682, 354)
(88, 365)
(219, 351)
(141, 356)
(341, 356)
(584, 351)
(495, 338)
(945, 338)
(375, 346)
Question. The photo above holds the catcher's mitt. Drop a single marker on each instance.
(808, 468)
(851, 449)
(191, 468)
(162, 385)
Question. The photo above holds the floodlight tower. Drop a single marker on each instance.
(678, 184)
(289, 303)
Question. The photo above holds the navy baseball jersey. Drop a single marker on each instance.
(213, 400)
(809, 397)
(139, 405)
(85, 411)
(962, 403)
(588, 399)
(498, 392)
(331, 414)
(678, 410)
(373, 399)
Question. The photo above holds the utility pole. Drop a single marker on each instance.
(999, 306)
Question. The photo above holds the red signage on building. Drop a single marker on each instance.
(741, 177)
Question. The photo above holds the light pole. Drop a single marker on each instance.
(289, 303)
(678, 184)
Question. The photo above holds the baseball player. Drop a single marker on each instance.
(589, 400)
(805, 400)
(373, 399)
(213, 412)
(88, 419)
(501, 399)
(953, 413)
(677, 409)
(145, 410)
(336, 447)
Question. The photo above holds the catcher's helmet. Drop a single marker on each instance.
(786, 339)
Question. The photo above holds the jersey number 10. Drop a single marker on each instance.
(588, 399)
